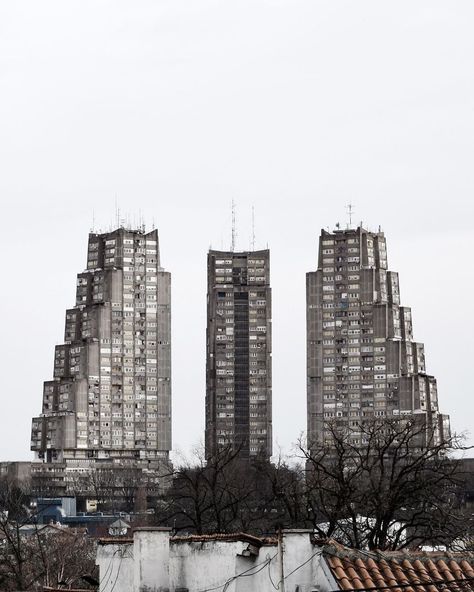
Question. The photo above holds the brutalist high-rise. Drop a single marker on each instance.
(362, 362)
(110, 398)
(238, 376)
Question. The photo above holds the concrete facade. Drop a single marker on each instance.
(110, 397)
(154, 562)
(17, 473)
(362, 361)
(239, 371)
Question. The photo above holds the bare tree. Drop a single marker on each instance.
(208, 496)
(15, 557)
(129, 482)
(66, 556)
(33, 556)
(397, 489)
(98, 484)
(279, 500)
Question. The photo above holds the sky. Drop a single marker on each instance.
(171, 109)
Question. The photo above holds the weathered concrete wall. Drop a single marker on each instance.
(210, 564)
(151, 553)
(304, 568)
(154, 564)
(115, 563)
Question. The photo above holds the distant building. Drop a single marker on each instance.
(16, 473)
(62, 511)
(52, 510)
(238, 375)
(109, 401)
(466, 476)
(362, 362)
(119, 528)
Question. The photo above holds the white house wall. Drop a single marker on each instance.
(154, 563)
(115, 563)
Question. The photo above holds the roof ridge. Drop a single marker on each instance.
(220, 536)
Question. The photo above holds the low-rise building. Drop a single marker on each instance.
(294, 561)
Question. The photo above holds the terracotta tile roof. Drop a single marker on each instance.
(236, 536)
(115, 541)
(199, 538)
(401, 571)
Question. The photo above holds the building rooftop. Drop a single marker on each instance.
(413, 571)
(202, 538)
(227, 537)
(323, 565)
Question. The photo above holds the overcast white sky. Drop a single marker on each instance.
(174, 108)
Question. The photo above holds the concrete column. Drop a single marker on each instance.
(299, 560)
(151, 552)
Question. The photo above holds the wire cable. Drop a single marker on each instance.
(277, 586)
(122, 552)
(227, 584)
(243, 574)
(102, 578)
(118, 572)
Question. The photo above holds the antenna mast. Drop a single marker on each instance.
(253, 228)
(117, 213)
(350, 210)
(234, 233)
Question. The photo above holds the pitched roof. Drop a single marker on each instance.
(119, 524)
(401, 571)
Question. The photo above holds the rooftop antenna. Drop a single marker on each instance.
(350, 210)
(234, 233)
(93, 220)
(117, 213)
(253, 228)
